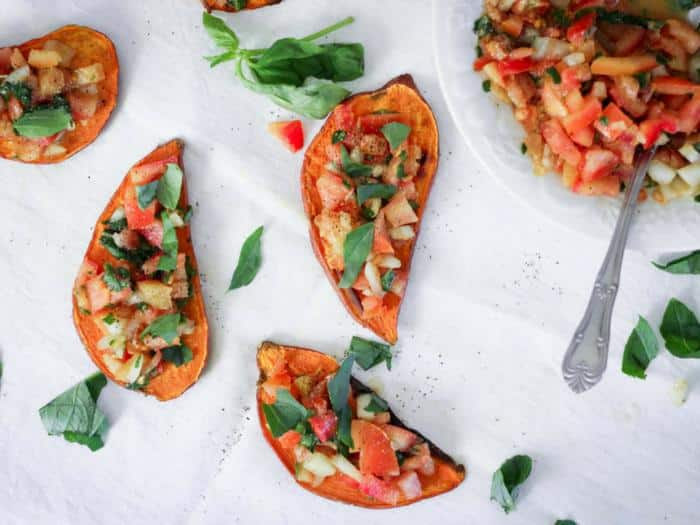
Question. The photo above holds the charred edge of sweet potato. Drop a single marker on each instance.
(252, 4)
(334, 488)
(384, 326)
(174, 380)
(91, 46)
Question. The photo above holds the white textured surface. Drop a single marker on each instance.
(496, 291)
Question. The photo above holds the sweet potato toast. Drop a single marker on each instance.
(387, 464)
(67, 82)
(137, 300)
(233, 5)
(374, 160)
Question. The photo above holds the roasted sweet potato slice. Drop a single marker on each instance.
(90, 47)
(146, 297)
(432, 471)
(230, 5)
(399, 101)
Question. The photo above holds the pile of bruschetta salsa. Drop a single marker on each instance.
(42, 98)
(136, 293)
(370, 178)
(591, 85)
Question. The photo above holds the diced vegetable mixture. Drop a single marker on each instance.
(592, 86)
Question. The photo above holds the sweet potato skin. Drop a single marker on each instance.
(91, 46)
(400, 94)
(174, 380)
(211, 5)
(302, 361)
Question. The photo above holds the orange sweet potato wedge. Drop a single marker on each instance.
(230, 5)
(147, 293)
(305, 373)
(90, 48)
(359, 120)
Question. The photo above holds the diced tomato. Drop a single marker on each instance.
(480, 62)
(513, 66)
(584, 117)
(382, 242)
(153, 233)
(513, 25)
(409, 483)
(559, 142)
(14, 108)
(289, 439)
(420, 461)
(674, 86)
(629, 65)
(574, 101)
(626, 97)
(82, 105)
(572, 77)
(333, 191)
(624, 146)
(98, 294)
(136, 218)
(584, 136)
(373, 122)
(87, 271)
(577, 5)
(578, 30)
(613, 122)
(324, 426)
(150, 171)
(684, 33)
(120, 296)
(401, 439)
(290, 133)
(380, 490)
(689, 115)
(629, 40)
(651, 129)
(597, 163)
(344, 118)
(609, 186)
(376, 455)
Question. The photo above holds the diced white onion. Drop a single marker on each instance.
(347, 468)
(356, 155)
(135, 365)
(118, 214)
(176, 220)
(691, 174)
(661, 173)
(18, 75)
(377, 170)
(689, 152)
(402, 233)
(574, 59)
(319, 465)
(134, 298)
(54, 150)
(304, 475)
(679, 392)
(374, 278)
(186, 327)
(387, 261)
(550, 48)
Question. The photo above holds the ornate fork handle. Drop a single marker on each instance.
(587, 356)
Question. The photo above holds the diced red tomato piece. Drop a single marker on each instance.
(120, 296)
(574, 101)
(398, 286)
(421, 460)
(136, 218)
(150, 171)
(379, 490)
(557, 139)
(598, 163)
(513, 66)
(689, 115)
(45, 141)
(382, 242)
(372, 306)
(344, 118)
(609, 185)
(513, 25)
(401, 439)
(589, 113)
(374, 122)
(153, 233)
(290, 133)
(674, 86)
(584, 137)
(82, 105)
(324, 426)
(289, 439)
(410, 485)
(399, 212)
(376, 455)
(14, 108)
(625, 145)
(613, 122)
(651, 129)
(481, 61)
(578, 30)
(87, 271)
(98, 294)
(572, 77)
(332, 191)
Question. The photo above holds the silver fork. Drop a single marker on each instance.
(587, 356)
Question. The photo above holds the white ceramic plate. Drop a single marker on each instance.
(495, 138)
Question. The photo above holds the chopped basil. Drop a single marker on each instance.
(661, 59)
(146, 194)
(559, 17)
(344, 432)
(604, 120)
(170, 187)
(164, 327)
(109, 319)
(115, 226)
(369, 354)
(483, 26)
(116, 279)
(75, 416)
(643, 79)
(19, 90)
(565, 522)
(552, 72)
(308, 438)
(507, 480)
(681, 330)
(178, 355)
(356, 249)
(137, 256)
(352, 168)
(285, 413)
(338, 136)
(686, 265)
(170, 245)
(388, 280)
(249, 261)
(641, 348)
(339, 385)
(396, 134)
(187, 216)
(486, 86)
(43, 122)
(377, 404)
(371, 191)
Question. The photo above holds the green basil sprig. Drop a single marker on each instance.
(43, 122)
(249, 261)
(507, 480)
(681, 330)
(686, 265)
(356, 249)
(369, 354)
(641, 348)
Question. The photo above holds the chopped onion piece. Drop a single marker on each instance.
(550, 48)
(574, 59)
(691, 174)
(661, 173)
(679, 392)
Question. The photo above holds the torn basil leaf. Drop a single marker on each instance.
(164, 326)
(396, 133)
(170, 187)
(356, 249)
(249, 261)
(641, 348)
(681, 330)
(285, 413)
(178, 355)
(369, 354)
(507, 479)
(686, 265)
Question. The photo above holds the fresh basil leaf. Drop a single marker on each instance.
(215, 60)
(170, 187)
(356, 249)
(164, 326)
(115, 226)
(396, 133)
(344, 432)
(42, 122)
(339, 385)
(377, 404)
(249, 261)
(170, 245)
(74, 413)
(19, 90)
(369, 354)
(483, 26)
(371, 191)
(109, 319)
(681, 330)
(116, 279)
(178, 355)
(137, 256)
(686, 265)
(351, 168)
(146, 194)
(507, 480)
(308, 438)
(338, 136)
(220, 33)
(388, 280)
(285, 413)
(565, 522)
(641, 348)
(554, 73)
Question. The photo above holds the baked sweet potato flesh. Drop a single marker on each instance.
(228, 5)
(171, 381)
(91, 47)
(400, 96)
(301, 362)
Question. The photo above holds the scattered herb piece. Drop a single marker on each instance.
(249, 261)
(377, 404)
(109, 319)
(486, 86)
(681, 330)
(178, 355)
(395, 133)
(116, 279)
(164, 326)
(170, 245)
(686, 265)
(285, 413)
(641, 348)
(523, 148)
(350, 167)
(604, 120)
(483, 26)
(387, 280)
(371, 191)
(146, 194)
(552, 72)
(338, 136)
(356, 249)
(369, 354)
(170, 187)
(507, 480)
